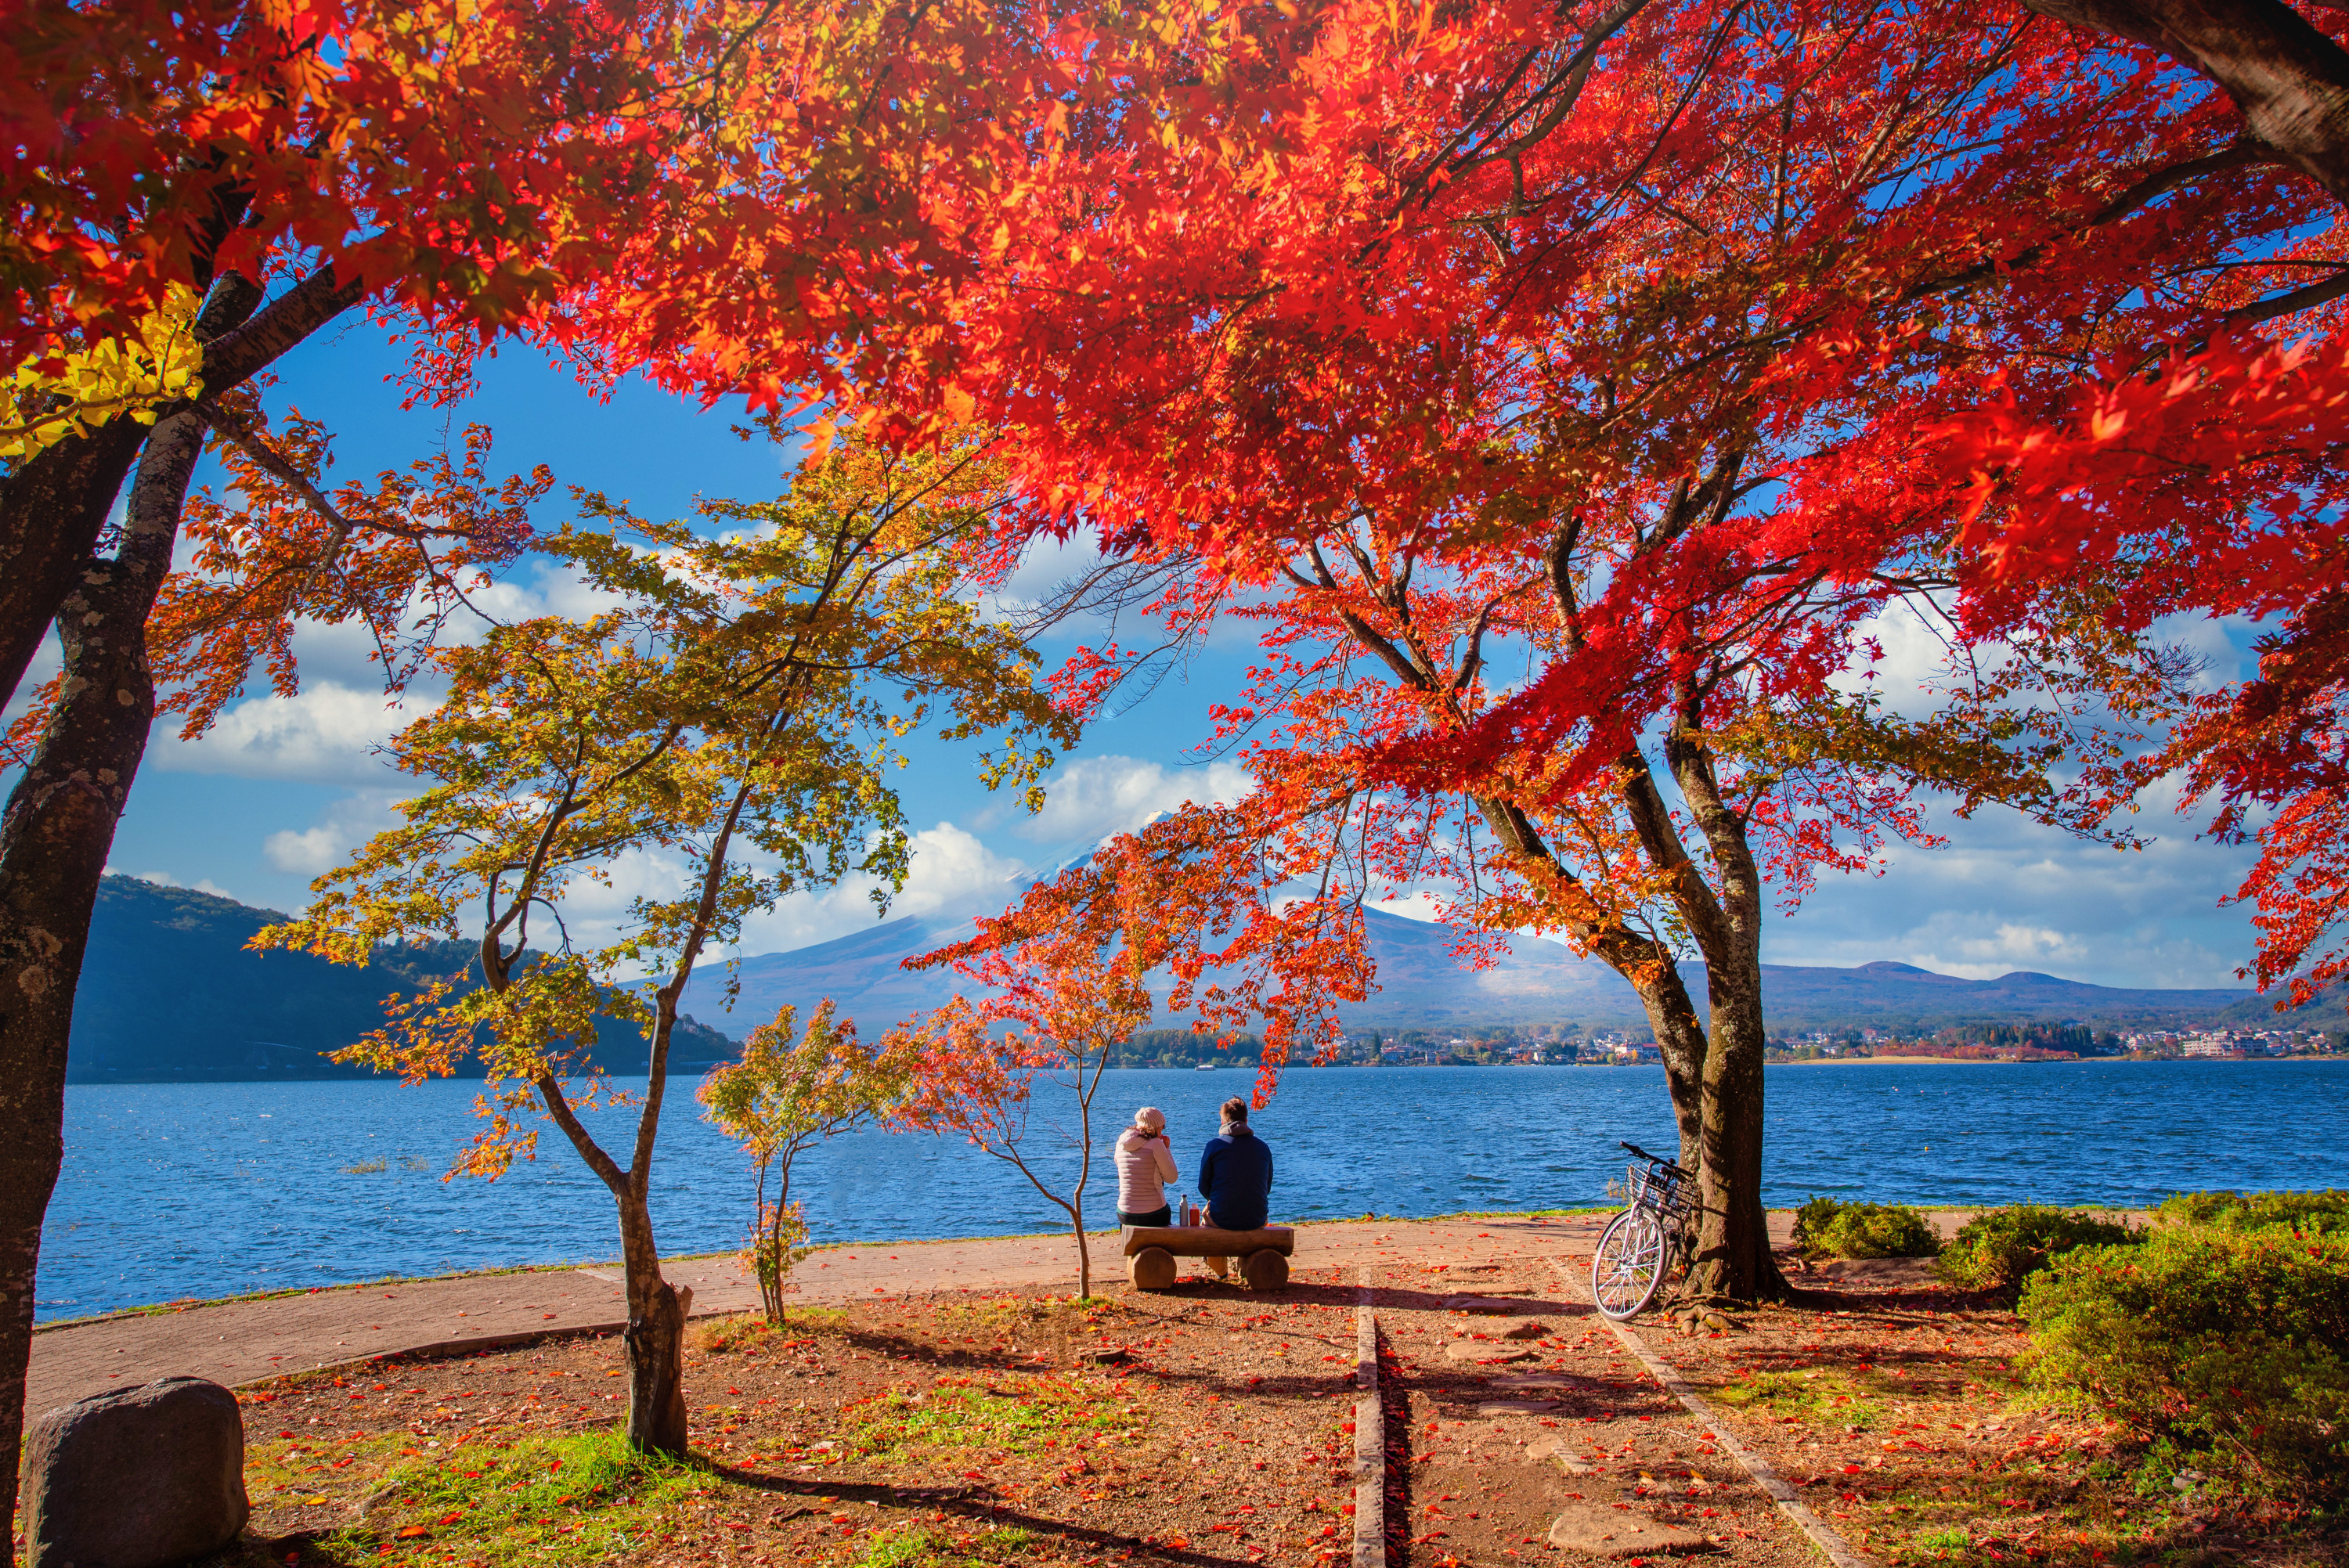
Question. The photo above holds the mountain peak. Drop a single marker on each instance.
(1422, 984)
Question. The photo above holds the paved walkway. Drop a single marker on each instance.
(245, 1341)
(237, 1342)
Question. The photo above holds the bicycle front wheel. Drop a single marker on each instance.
(1628, 1266)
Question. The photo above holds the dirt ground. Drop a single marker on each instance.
(1212, 1424)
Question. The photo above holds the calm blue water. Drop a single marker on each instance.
(202, 1190)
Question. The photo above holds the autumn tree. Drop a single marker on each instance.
(179, 163)
(1574, 344)
(979, 1079)
(788, 1092)
(1062, 1005)
(1231, 292)
(202, 186)
(733, 716)
(1176, 918)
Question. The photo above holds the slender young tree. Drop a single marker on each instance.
(788, 1092)
(1066, 977)
(721, 737)
(980, 1076)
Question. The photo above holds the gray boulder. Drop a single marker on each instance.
(136, 1478)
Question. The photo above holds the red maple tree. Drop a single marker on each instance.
(1617, 347)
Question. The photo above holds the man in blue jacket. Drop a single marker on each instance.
(1236, 1176)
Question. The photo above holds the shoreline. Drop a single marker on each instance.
(1780, 1217)
(1907, 1061)
(290, 1080)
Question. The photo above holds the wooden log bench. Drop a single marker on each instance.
(1151, 1251)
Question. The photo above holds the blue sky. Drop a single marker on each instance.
(284, 788)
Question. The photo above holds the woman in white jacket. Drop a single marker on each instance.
(1145, 1163)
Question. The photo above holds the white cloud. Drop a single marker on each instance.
(540, 588)
(1090, 801)
(1047, 566)
(950, 866)
(327, 734)
(1916, 654)
(2008, 948)
(347, 823)
(2009, 895)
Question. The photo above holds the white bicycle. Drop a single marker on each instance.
(1646, 1242)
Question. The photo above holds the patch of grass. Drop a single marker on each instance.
(1942, 1540)
(751, 1331)
(1011, 1314)
(742, 1331)
(1815, 1395)
(299, 1471)
(367, 1167)
(817, 1319)
(921, 1547)
(1010, 1415)
(578, 1498)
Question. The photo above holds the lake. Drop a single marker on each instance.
(174, 1191)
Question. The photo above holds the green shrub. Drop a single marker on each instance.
(2223, 1351)
(1829, 1227)
(1811, 1219)
(1997, 1250)
(2327, 1213)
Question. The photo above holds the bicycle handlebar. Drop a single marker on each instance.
(1655, 1158)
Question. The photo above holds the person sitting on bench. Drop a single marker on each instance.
(1145, 1163)
(1235, 1177)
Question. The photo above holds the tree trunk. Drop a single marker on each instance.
(771, 1298)
(54, 842)
(1681, 1041)
(1085, 1171)
(655, 1338)
(1733, 1260)
(53, 508)
(2290, 80)
(770, 1278)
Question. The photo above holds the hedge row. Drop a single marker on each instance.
(2219, 1336)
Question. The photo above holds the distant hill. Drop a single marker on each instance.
(169, 992)
(1420, 984)
(1903, 997)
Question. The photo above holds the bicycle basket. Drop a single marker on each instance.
(1654, 1188)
